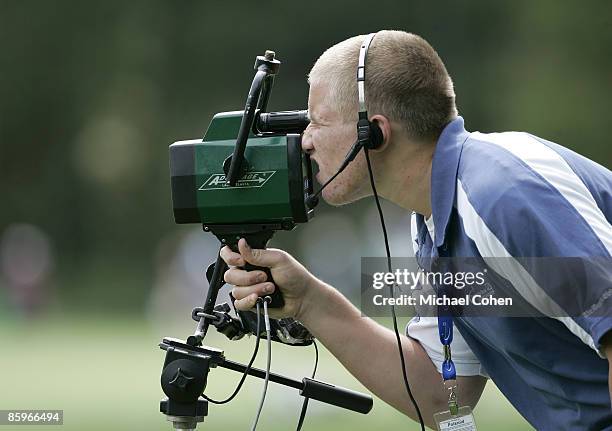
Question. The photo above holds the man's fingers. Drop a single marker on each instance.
(253, 256)
(232, 258)
(260, 289)
(247, 303)
(258, 257)
(240, 277)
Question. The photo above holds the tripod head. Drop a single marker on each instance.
(186, 371)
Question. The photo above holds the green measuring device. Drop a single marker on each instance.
(247, 178)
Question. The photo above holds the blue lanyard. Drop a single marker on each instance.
(445, 329)
(445, 320)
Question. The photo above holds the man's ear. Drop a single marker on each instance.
(385, 126)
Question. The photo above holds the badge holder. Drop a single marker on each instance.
(455, 418)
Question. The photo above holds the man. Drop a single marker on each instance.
(498, 195)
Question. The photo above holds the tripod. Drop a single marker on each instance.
(185, 374)
(187, 364)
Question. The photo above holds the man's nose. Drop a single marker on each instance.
(307, 146)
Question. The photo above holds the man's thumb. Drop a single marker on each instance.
(256, 256)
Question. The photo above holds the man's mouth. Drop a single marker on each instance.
(315, 170)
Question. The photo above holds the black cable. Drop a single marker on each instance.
(266, 300)
(397, 336)
(246, 371)
(305, 403)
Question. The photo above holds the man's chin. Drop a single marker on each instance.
(338, 199)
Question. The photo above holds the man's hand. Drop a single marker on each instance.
(294, 281)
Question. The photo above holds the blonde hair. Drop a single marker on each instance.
(406, 81)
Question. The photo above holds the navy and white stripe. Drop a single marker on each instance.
(550, 171)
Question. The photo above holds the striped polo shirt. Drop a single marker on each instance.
(513, 195)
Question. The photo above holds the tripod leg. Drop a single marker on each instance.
(215, 283)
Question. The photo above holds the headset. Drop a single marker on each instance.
(369, 135)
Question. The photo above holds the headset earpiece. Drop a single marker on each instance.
(369, 134)
(376, 136)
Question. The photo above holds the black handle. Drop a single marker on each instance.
(266, 66)
(309, 388)
(337, 396)
(276, 296)
(255, 242)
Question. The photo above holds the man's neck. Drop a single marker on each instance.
(408, 182)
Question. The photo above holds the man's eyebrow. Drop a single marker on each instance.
(319, 117)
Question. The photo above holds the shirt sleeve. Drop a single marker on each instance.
(425, 331)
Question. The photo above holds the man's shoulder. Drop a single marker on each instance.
(527, 192)
(493, 164)
(508, 178)
(506, 154)
(526, 166)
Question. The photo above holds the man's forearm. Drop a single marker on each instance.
(610, 379)
(369, 351)
(606, 343)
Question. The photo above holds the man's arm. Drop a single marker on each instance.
(606, 345)
(369, 352)
(366, 349)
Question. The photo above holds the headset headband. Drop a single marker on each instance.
(363, 53)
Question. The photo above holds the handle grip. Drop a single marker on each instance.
(336, 395)
(276, 296)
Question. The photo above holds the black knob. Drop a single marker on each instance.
(183, 380)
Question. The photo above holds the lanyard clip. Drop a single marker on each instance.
(447, 352)
(453, 405)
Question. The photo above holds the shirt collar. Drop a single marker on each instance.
(444, 175)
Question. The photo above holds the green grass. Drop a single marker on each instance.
(104, 374)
